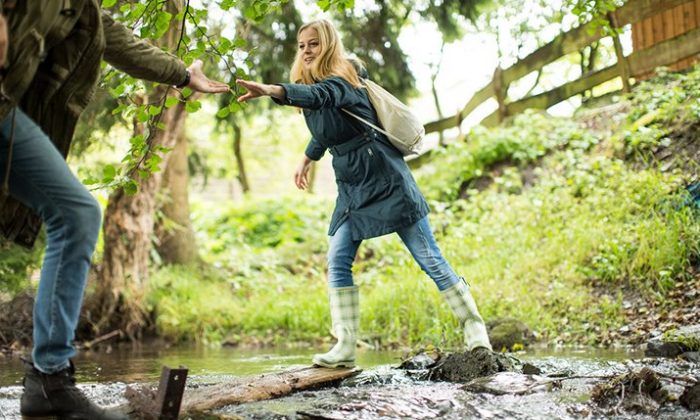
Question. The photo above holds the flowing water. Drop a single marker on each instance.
(380, 391)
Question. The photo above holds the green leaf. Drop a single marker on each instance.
(223, 113)
(162, 23)
(324, 4)
(90, 181)
(186, 92)
(131, 187)
(193, 106)
(171, 101)
(108, 3)
(108, 173)
(142, 115)
(154, 110)
(235, 106)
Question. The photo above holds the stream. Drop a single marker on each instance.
(381, 390)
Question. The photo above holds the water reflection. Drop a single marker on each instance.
(144, 363)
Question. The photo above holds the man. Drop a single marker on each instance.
(50, 55)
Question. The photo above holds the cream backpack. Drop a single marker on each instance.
(401, 126)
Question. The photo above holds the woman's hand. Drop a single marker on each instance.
(199, 82)
(301, 176)
(256, 90)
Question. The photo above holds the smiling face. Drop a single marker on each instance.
(309, 46)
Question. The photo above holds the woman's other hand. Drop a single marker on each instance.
(301, 176)
(256, 90)
(199, 82)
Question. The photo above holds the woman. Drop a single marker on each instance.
(376, 191)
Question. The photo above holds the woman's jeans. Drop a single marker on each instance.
(41, 179)
(417, 237)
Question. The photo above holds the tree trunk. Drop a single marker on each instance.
(242, 176)
(176, 241)
(118, 301)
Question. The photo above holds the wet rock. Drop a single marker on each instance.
(691, 356)
(422, 360)
(503, 383)
(675, 342)
(639, 392)
(509, 334)
(530, 369)
(463, 367)
(691, 397)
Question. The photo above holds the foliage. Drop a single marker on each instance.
(17, 264)
(659, 108)
(530, 136)
(594, 11)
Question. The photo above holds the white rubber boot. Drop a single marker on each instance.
(345, 314)
(462, 303)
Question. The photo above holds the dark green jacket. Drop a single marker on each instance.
(53, 66)
(376, 191)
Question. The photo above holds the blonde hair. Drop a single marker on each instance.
(331, 60)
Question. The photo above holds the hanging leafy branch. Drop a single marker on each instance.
(595, 11)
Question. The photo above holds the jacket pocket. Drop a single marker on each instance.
(360, 166)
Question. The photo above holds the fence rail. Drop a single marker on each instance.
(636, 64)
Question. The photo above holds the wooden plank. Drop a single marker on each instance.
(450, 122)
(261, 387)
(657, 27)
(670, 29)
(622, 65)
(636, 37)
(690, 23)
(666, 52)
(636, 10)
(648, 26)
(565, 43)
(552, 97)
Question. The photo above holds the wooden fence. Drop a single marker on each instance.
(662, 52)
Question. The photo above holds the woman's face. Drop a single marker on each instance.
(309, 47)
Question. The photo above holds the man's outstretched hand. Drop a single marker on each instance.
(199, 82)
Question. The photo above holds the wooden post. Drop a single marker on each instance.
(622, 63)
(170, 390)
(500, 91)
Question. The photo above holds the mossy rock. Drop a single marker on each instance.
(674, 342)
(509, 334)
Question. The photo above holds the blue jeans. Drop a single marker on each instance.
(417, 237)
(41, 179)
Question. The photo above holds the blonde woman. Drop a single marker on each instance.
(377, 194)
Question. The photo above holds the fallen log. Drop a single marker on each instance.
(262, 387)
(244, 390)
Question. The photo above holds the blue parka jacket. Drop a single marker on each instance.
(376, 191)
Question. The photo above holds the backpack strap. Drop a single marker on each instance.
(371, 125)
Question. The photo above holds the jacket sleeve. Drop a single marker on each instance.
(314, 150)
(138, 58)
(334, 92)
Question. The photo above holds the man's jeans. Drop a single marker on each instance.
(417, 237)
(41, 179)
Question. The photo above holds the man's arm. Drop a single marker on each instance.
(142, 60)
(137, 57)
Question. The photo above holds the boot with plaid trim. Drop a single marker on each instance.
(462, 303)
(345, 314)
